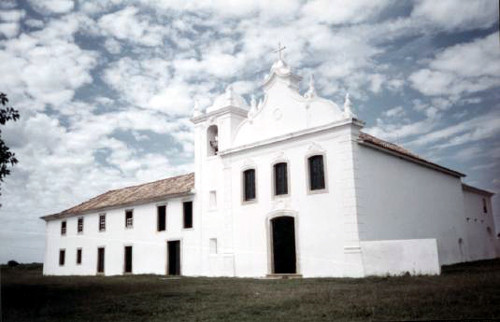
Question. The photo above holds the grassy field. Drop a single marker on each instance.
(463, 291)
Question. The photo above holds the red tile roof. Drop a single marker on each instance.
(396, 149)
(132, 195)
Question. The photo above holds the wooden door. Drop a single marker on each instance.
(174, 257)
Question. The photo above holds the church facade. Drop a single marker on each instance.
(289, 185)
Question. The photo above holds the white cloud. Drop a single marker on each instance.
(12, 15)
(343, 12)
(397, 111)
(472, 130)
(9, 30)
(126, 24)
(461, 69)
(450, 14)
(52, 6)
(34, 23)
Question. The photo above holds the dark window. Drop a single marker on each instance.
(100, 260)
(129, 218)
(188, 214)
(213, 140)
(485, 207)
(128, 259)
(162, 218)
(280, 179)
(80, 225)
(102, 222)
(78, 256)
(316, 173)
(249, 184)
(63, 228)
(62, 255)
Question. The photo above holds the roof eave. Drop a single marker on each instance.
(138, 202)
(413, 159)
(477, 190)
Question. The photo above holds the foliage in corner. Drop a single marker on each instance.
(7, 158)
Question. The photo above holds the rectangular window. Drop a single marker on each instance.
(188, 214)
(162, 217)
(485, 207)
(213, 200)
(213, 245)
(102, 222)
(80, 225)
(249, 184)
(129, 218)
(78, 256)
(280, 179)
(100, 260)
(63, 227)
(316, 173)
(62, 257)
(128, 259)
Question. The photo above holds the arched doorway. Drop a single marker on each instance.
(283, 245)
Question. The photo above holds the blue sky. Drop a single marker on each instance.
(105, 88)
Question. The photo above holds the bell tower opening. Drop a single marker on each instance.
(212, 140)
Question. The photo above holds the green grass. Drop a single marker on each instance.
(470, 291)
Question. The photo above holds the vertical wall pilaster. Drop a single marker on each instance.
(352, 248)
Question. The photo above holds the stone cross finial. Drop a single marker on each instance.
(279, 50)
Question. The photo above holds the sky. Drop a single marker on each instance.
(106, 88)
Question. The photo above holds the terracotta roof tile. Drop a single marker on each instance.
(364, 137)
(135, 194)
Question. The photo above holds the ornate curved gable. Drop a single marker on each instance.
(283, 110)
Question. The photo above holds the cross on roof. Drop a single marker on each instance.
(279, 50)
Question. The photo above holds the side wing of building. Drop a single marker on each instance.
(123, 239)
(407, 207)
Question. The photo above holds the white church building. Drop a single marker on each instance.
(290, 186)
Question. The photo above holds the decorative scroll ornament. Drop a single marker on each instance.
(196, 109)
(348, 107)
(311, 92)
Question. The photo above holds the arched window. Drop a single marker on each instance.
(316, 173)
(212, 140)
(280, 179)
(249, 185)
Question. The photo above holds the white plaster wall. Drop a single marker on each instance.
(320, 218)
(480, 242)
(149, 245)
(396, 257)
(402, 200)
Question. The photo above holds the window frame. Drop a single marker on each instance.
(308, 173)
(211, 151)
(273, 180)
(212, 206)
(485, 206)
(216, 244)
(64, 227)
(127, 226)
(158, 217)
(78, 230)
(184, 202)
(244, 201)
(102, 227)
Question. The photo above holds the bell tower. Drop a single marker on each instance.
(214, 132)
